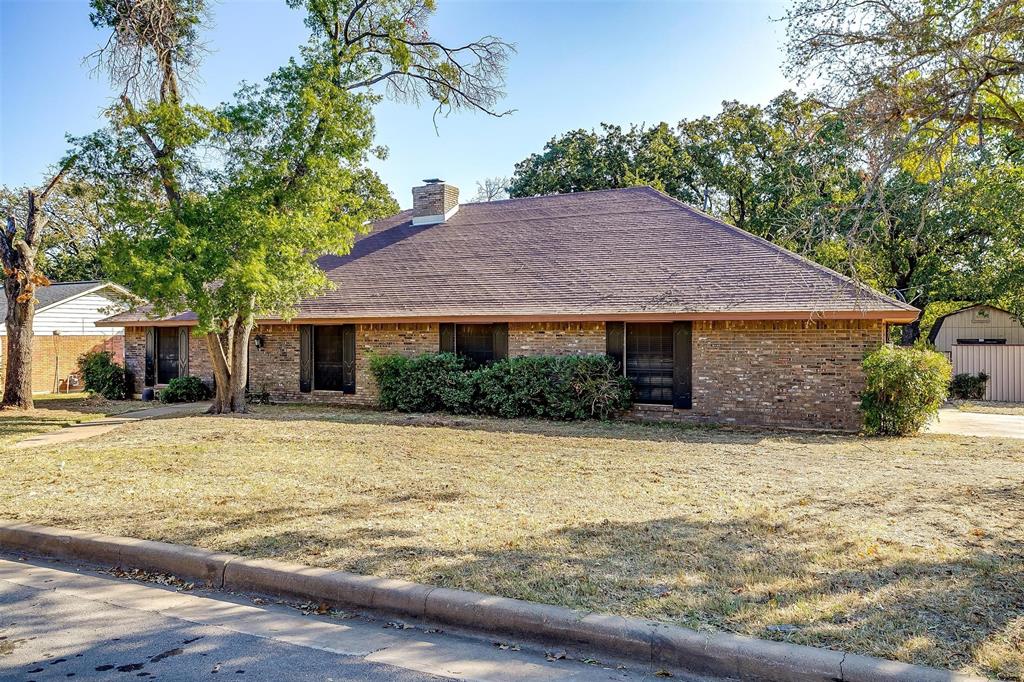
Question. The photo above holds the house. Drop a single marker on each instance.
(983, 338)
(64, 328)
(710, 323)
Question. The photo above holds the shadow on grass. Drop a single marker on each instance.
(814, 584)
(620, 430)
(15, 427)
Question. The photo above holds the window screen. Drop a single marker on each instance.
(649, 361)
(334, 358)
(167, 354)
(475, 342)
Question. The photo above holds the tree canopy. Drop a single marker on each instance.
(229, 206)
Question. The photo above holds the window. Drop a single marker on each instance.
(481, 344)
(475, 342)
(657, 359)
(334, 361)
(649, 361)
(166, 354)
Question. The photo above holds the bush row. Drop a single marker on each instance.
(548, 387)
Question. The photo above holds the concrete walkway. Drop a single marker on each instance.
(97, 427)
(58, 621)
(953, 421)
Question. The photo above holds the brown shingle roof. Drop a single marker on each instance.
(607, 254)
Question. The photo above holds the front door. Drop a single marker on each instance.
(166, 354)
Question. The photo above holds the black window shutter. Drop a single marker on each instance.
(500, 332)
(305, 358)
(150, 356)
(446, 337)
(348, 358)
(183, 351)
(682, 365)
(615, 342)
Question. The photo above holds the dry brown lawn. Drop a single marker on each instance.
(910, 549)
(990, 407)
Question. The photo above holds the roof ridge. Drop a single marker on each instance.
(781, 249)
(557, 194)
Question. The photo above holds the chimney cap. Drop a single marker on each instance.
(433, 181)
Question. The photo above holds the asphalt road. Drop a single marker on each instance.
(60, 621)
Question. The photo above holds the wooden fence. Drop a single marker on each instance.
(1003, 364)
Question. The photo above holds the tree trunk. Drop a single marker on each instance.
(229, 352)
(18, 255)
(18, 372)
(910, 333)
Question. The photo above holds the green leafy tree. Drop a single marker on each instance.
(917, 81)
(582, 160)
(923, 73)
(229, 207)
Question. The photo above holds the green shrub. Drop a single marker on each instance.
(432, 382)
(968, 386)
(184, 390)
(547, 387)
(101, 375)
(905, 387)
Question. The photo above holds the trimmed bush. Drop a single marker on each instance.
(431, 382)
(968, 386)
(548, 387)
(102, 376)
(184, 390)
(905, 387)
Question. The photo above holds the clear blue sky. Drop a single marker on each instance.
(578, 63)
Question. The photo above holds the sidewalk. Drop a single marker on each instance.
(61, 621)
(97, 427)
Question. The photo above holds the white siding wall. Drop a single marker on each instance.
(1003, 364)
(966, 325)
(77, 317)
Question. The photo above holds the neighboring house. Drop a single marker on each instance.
(711, 323)
(983, 338)
(64, 328)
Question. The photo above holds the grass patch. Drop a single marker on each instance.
(910, 549)
(990, 407)
(55, 411)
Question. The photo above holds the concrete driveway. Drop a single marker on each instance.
(953, 421)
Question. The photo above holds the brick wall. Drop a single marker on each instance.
(555, 338)
(276, 367)
(54, 358)
(135, 355)
(783, 373)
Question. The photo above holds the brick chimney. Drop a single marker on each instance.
(434, 202)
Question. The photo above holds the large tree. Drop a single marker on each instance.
(19, 249)
(924, 84)
(230, 206)
(920, 72)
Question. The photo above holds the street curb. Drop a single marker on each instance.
(701, 653)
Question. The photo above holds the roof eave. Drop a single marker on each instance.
(885, 316)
